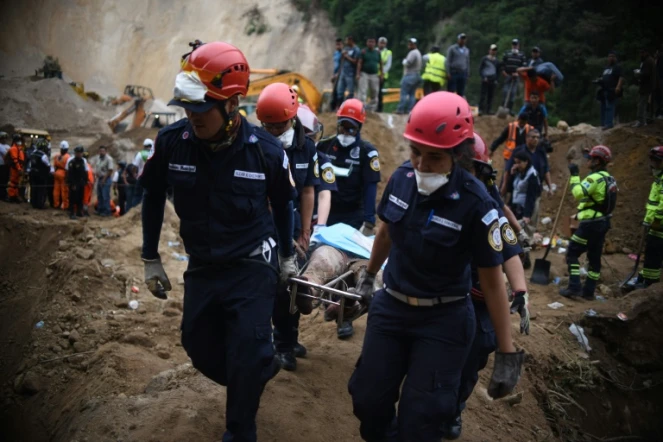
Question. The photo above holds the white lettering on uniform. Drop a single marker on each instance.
(490, 217)
(301, 166)
(373, 153)
(182, 167)
(353, 162)
(446, 223)
(249, 175)
(398, 202)
(503, 220)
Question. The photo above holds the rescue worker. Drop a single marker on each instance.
(139, 161)
(4, 167)
(60, 187)
(16, 160)
(435, 71)
(89, 187)
(386, 57)
(277, 111)
(226, 175)
(77, 178)
(357, 171)
(437, 220)
(484, 339)
(513, 135)
(40, 169)
(653, 222)
(597, 194)
(104, 171)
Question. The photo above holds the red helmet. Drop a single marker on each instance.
(656, 153)
(215, 71)
(277, 103)
(308, 119)
(441, 119)
(480, 151)
(601, 152)
(352, 109)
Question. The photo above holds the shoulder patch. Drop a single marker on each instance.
(375, 164)
(489, 217)
(495, 237)
(509, 235)
(373, 153)
(316, 168)
(585, 184)
(328, 174)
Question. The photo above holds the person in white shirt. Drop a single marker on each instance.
(139, 161)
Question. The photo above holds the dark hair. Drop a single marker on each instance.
(523, 116)
(102, 147)
(463, 154)
(350, 37)
(534, 93)
(435, 49)
(339, 40)
(521, 155)
(532, 73)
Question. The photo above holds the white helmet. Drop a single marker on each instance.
(148, 142)
(64, 145)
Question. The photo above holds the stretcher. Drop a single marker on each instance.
(327, 289)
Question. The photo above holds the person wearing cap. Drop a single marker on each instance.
(369, 74)
(611, 84)
(437, 221)
(411, 77)
(233, 192)
(511, 61)
(535, 59)
(488, 70)
(4, 169)
(60, 187)
(386, 57)
(348, 70)
(276, 109)
(435, 71)
(77, 178)
(356, 165)
(139, 161)
(458, 65)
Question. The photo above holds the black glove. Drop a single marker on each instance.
(506, 373)
(573, 168)
(520, 304)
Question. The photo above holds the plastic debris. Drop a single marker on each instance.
(39, 324)
(583, 271)
(390, 121)
(561, 250)
(633, 256)
(133, 304)
(557, 280)
(546, 220)
(600, 298)
(591, 313)
(553, 187)
(545, 241)
(134, 289)
(579, 333)
(556, 305)
(179, 257)
(173, 243)
(622, 316)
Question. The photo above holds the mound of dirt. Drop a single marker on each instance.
(50, 104)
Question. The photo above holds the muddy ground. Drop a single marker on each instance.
(98, 370)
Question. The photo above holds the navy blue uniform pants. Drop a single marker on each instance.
(227, 333)
(286, 326)
(427, 346)
(588, 238)
(485, 342)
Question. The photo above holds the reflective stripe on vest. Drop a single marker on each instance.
(435, 69)
(510, 144)
(384, 55)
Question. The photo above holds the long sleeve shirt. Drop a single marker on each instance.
(458, 59)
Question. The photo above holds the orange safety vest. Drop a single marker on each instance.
(510, 144)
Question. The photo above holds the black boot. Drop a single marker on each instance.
(300, 350)
(570, 292)
(451, 430)
(287, 360)
(345, 331)
(527, 262)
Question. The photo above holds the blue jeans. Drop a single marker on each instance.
(457, 83)
(426, 346)
(345, 82)
(608, 112)
(409, 85)
(103, 197)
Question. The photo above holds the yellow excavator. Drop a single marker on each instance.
(141, 96)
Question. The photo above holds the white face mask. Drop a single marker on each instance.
(346, 140)
(427, 182)
(287, 137)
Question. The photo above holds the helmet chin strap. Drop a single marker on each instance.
(228, 132)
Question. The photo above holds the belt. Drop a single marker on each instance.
(264, 249)
(423, 302)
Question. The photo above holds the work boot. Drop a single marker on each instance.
(570, 292)
(72, 216)
(304, 304)
(287, 360)
(451, 430)
(527, 262)
(345, 330)
(300, 350)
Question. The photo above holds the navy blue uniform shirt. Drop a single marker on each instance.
(222, 198)
(435, 238)
(327, 180)
(303, 160)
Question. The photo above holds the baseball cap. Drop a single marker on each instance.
(461, 35)
(515, 41)
(493, 46)
(536, 49)
(413, 40)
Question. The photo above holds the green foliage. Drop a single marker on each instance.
(574, 34)
(256, 23)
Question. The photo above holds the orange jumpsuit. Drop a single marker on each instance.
(16, 161)
(87, 192)
(60, 187)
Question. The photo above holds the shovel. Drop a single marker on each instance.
(637, 259)
(541, 272)
(503, 111)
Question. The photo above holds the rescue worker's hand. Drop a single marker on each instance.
(573, 168)
(364, 286)
(506, 373)
(526, 220)
(520, 304)
(524, 238)
(288, 267)
(304, 240)
(367, 229)
(156, 279)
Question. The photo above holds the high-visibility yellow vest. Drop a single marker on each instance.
(435, 69)
(384, 55)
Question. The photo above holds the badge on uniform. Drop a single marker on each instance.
(509, 235)
(354, 153)
(253, 139)
(375, 164)
(328, 175)
(316, 169)
(185, 135)
(495, 237)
